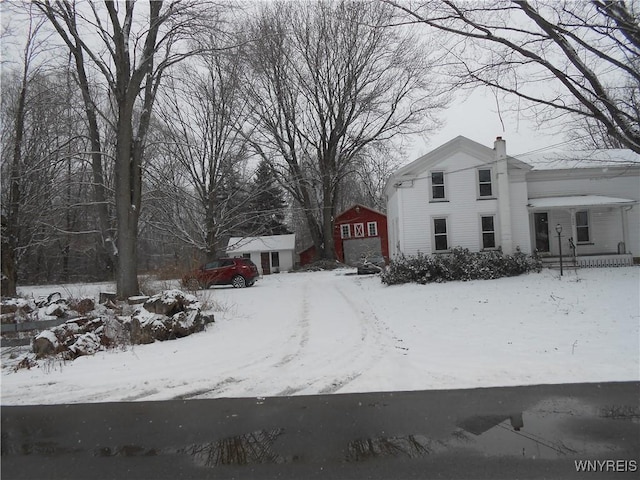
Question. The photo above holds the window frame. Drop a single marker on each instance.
(347, 231)
(432, 186)
(375, 229)
(479, 183)
(586, 227)
(275, 259)
(358, 228)
(435, 235)
(484, 232)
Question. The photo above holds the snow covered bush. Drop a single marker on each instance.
(460, 264)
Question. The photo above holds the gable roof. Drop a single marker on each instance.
(458, 144)
(265, 243)
(563, 160)
(359, 205)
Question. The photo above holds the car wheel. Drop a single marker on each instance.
(238, 281)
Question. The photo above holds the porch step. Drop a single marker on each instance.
(554, 263)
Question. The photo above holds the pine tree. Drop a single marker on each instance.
(268, 204)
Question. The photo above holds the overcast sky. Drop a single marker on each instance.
(476, 117)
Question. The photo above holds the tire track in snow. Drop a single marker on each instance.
(299, 339)
(370, 335)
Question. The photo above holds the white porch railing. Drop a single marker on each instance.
(614, 260)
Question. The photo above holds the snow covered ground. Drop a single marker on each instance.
(336, 332)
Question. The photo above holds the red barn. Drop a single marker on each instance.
(357, 231)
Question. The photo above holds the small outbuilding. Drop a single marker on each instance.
(270, 253)
(358, 231)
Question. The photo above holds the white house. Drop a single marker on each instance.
(469, 195)
(270, 253)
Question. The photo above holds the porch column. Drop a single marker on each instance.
(574, 228)
(625, 228)
(504, 200)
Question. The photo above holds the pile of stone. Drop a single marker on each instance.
(168, 315)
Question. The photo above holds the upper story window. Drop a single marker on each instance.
(345, 231)
(440, 237)
(372, 229)
(582, 226)
(437, 186)
(485, 187)
(358, 229)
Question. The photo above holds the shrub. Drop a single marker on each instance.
(460, 264)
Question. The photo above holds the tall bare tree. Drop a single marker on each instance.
(561, 58)
(328, 83)
(202, 111)
(15, 178)
(131, 53)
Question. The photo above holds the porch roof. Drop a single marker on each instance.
(578, 201)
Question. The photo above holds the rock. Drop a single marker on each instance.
(137, 300)
(85, 344)
(107, 297)
(146, 329)
(56, 309)
(45, 344)
(171, 302)
(84, 305)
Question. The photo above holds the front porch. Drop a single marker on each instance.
(587, 230)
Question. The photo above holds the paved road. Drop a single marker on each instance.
(517, 432)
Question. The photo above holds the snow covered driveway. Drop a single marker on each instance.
(335, 332)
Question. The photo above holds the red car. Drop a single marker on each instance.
(239, 272)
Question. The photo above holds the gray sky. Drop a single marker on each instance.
(476, 117)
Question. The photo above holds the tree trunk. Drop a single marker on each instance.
(9, 273)
(126, 206)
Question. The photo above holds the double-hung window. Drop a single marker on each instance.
(582, 226)
(372, 229)
(485, 187)
(437, 186)
(488, 231)
(440, 239)
(345, 231)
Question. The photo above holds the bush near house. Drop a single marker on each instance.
(460, 264)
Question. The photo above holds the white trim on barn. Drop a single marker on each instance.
(270, 253)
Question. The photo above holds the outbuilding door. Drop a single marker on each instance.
(265, 263)
(355, 248)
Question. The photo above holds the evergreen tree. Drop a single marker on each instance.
(268, 204)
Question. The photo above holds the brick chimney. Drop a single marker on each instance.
(504, 200)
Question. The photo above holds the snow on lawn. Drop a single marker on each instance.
(336, 332)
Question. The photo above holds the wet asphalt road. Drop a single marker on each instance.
(519, 432)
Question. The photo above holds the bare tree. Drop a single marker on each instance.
(203, 111)
(131, 53)
(328, 82)
(561, 58)
(14, 190)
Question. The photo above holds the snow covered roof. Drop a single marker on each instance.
(577, 201)
(265, 243)
(581, 159)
